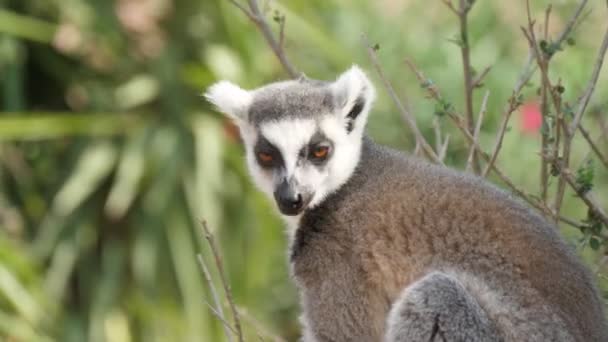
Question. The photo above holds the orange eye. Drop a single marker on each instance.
(320, 152)
(265, 157)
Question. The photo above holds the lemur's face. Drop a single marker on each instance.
(302, 138)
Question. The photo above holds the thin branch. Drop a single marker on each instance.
(478, 81)
(586, 196)
(482, 112)
(570, 130)
(282, 32)
(593, 145)
(464, 8)
(547, 17)
(219, 316)
(506, 116)
(258, 327)
(220, 269)
(257, 17)
(450, 5)
(216, 297)
(530, 67)
(243, 9)
(597, 67)
(444, 148)
(405, 114)
(438, 135)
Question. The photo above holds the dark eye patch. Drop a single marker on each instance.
(317, 142)
(264, 149)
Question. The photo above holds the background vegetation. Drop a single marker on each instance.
(110, 159)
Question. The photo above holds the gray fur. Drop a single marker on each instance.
(403, 250)
(301, 98)
(399, 219)
(438, 308)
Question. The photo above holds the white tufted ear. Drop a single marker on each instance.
(354, 95)
(230, 99)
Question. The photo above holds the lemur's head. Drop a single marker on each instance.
(302, 137)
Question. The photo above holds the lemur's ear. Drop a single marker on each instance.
(354, 95)
(230, 99)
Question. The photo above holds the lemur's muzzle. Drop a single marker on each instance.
(291, 201)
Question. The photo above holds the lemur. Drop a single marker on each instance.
(387, 247)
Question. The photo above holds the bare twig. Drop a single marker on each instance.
(216, 297)
(547, 17)
(597, 67)
(438, 135)
(259, 327)
(282, 32)
(464, 8)
(227, 326)
(593, 145)
(450, 5)
(542, 61)
(570, 130)
(444, 148)
(478, 81)
(513, 105)
(220, 269)
(257, 17)
(405, 114)
(482, 112)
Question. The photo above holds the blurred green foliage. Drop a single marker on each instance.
(109, 157)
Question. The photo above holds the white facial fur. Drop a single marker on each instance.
(290, 134)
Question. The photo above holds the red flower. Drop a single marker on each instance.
(531, 117)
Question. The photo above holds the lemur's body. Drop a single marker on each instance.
(388, 247)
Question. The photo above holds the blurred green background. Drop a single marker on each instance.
(110, 158)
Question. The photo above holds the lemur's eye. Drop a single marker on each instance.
(320, 152)
(265, 157)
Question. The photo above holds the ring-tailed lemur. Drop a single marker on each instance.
(385, 247)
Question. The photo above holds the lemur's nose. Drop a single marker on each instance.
(296, 202)
(289, 201)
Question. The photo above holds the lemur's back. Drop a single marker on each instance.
(398, 219)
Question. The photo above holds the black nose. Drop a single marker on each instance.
(289, 202)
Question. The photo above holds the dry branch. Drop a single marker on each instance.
(514, 103)
(593, 145)
(530, 66)
(257, 17)
(216, 297)
(597, 67)
(469, 86)
(482, 112)
(405, 114)
(220, 268)
(478, 81)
